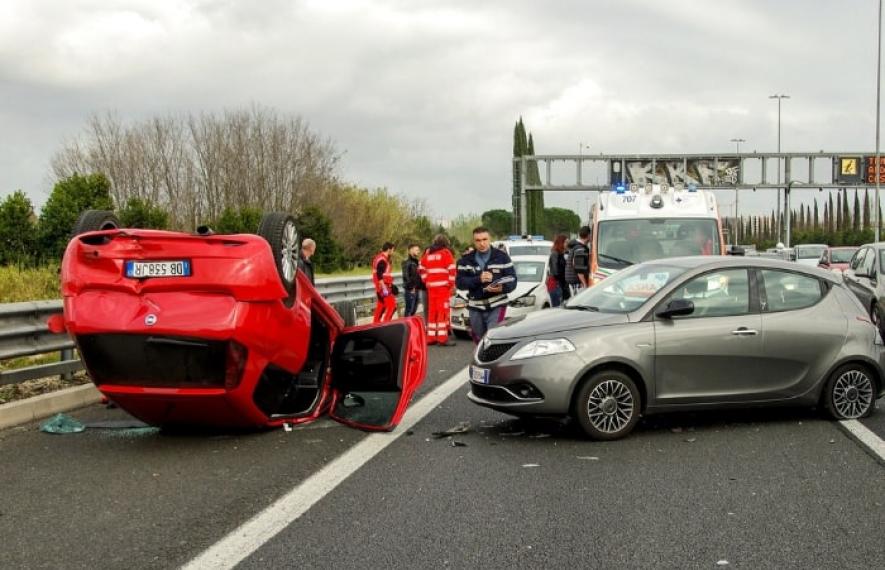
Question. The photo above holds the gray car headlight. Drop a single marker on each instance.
(544, 348)
(527, 301)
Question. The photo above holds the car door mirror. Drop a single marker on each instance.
(676, 308)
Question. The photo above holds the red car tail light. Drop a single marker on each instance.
(234, 364)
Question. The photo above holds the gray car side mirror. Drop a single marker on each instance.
(675, 308)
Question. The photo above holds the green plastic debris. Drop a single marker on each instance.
(61, 423)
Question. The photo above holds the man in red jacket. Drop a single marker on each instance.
(385, 290)
(437, 270)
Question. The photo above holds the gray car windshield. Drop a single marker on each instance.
(529, 250)
(626, 290)
(528, 271)
(624, 242)
(810, 252)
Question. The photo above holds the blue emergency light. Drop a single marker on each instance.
(620, 189)
(692, 187)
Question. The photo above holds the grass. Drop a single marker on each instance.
(28, 283)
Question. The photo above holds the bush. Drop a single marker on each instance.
(313, 224)
(69, 197)
(238, 221)
(138, 213)
(18, 234)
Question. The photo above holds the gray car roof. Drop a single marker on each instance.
(713, 262)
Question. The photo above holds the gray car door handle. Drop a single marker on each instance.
(744, 331)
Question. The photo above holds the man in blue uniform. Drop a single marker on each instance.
(488, 276)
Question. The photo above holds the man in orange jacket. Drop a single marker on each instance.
(437, 270)
(385, 290)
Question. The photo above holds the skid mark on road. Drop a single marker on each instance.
(249, 537)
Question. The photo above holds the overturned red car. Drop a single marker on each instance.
(223, 330)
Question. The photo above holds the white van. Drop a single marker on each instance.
(654, 221)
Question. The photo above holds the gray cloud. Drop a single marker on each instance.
(422, 96)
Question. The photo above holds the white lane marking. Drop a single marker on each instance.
(243, 541)
(866, 437)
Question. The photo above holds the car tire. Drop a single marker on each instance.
(850, 393)
(95, 220)
(278, 229)
(608, 405)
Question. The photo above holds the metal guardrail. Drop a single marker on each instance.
(24, 332)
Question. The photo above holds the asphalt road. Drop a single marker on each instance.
(774, 489)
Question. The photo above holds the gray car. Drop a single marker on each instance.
(864, 277)
(687, 333)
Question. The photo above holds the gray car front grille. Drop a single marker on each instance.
(494, 351)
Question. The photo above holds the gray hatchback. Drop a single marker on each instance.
(687, 333)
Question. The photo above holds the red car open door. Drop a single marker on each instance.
(375, 371)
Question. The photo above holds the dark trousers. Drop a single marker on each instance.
(411, 302)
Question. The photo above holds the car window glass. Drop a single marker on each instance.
(788, 291)
(716, 294)
(626, 290)
(841, 255)
(866, 265)
(858, 258)
(528, 271)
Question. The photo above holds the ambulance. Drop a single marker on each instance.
(652, 221)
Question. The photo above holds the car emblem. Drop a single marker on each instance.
(485, 343)
(150, 320)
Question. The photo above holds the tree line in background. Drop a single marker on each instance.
(847, 220)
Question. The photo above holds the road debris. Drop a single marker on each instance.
(691, 440)
(539, 435)
(513, 434)
(462, 427)
(531, 465)
(456, 443)
(588, 457)
(62, 424)
(287, 426)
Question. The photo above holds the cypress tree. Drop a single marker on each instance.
(846, 215)
(839, 208)
(519, 149)
(867, 223)
(815, 221)
(536, 199)
(855, 217)
(831, 217)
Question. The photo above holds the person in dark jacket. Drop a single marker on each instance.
(411, 280)
(308, 248)
(578, 251)
(556, 283)
(488, 276)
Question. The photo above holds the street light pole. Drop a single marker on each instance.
(779, 98)
(737, 143)
(878, 98)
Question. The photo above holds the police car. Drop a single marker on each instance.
(530, 255)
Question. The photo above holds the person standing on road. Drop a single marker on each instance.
(308, 248)
(577, 265)
(385, 290)
(437, 269)
(411, 280)
(556, 283)
(488, 276)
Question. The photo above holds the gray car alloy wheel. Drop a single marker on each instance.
(607, 406)
(610, 406)
(852, 394)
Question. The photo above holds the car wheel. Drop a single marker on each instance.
(850, 393)
(607, 405)
(95, 220)
(278, 229)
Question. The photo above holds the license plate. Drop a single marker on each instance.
(145, 269)
(479, 375)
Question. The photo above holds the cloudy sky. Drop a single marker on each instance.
(421, 96)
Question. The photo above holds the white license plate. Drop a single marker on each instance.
(479, 375)
(145, 269)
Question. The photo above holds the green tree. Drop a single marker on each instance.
(867, 223)
(18, 233)
(855, 218)
(313, 224)
(536, 198)
(499, 222)
(238, 221)
(560, 221)
(138, 213)
(69, 197)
